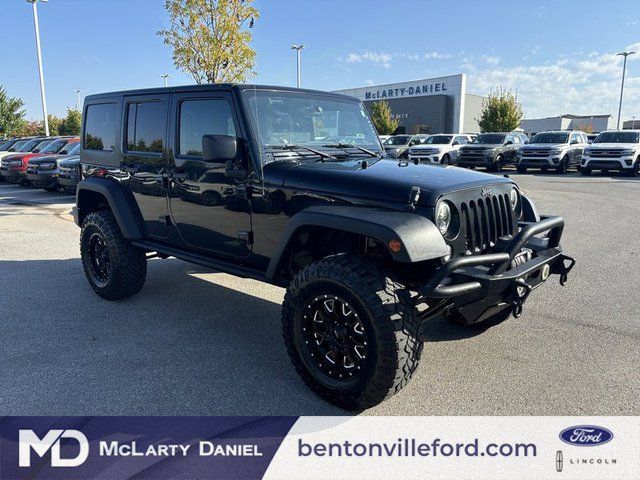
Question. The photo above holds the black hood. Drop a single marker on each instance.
(380, 180)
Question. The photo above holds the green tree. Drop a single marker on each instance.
(383, 118)
(500, 112)
(210, 38)
(54, 125)
(71, 123)
(11, 115)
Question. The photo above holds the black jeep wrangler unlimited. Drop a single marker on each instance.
(292, 187)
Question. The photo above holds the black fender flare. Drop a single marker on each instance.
(118, 203)
(529, 210)
(420, 238)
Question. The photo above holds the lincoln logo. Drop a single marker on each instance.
(559, 461)
(485, 192)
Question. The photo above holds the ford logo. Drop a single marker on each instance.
(586, 435)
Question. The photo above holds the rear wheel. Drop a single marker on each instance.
(351, 331)
(115, 268)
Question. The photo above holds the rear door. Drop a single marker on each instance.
(144, 158)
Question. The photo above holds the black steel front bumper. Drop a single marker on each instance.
(482, 285)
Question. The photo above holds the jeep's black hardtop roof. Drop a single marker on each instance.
(210, 88)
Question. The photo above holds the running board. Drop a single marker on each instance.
(213, 263)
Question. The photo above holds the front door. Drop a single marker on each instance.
(144, 158)
(210, 208)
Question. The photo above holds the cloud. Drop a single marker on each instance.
(580, 84)
(384, 59)
(632, 23)
(491, 60)
(377, 58)
(369, 82)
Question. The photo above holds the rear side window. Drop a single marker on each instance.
(100, 127)
(203, 117)
(145, 127)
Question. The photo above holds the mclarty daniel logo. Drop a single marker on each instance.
(28, 440)
(586, 436)
(30, 443)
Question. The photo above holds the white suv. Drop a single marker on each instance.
(613, 150)
(440, 148)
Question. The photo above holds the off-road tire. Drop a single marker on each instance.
(127, 269)
(388, 312)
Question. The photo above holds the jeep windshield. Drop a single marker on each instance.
(438, 140)
(489, 139)
(550, 138)
(307, 124)
(618, 137)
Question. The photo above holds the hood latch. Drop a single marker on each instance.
(414, 196)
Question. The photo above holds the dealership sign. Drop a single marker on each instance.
(413, 90)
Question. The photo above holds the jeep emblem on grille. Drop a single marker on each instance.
(485, 192)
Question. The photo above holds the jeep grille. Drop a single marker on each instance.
(485, 221)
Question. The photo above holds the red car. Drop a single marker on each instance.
(14, 167)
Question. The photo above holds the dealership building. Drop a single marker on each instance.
(430, 105)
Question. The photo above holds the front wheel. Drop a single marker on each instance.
(351, 331)
(446, 160)
(634, 170)
(563, 166)
(115, 268)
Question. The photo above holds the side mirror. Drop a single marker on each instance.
(509, 142)
(526, 142)
(219, 148)
(574, 142)
(456, 143)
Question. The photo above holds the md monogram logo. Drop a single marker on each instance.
(28, 441)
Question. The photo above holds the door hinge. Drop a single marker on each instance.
(246, 236)
(414, 196)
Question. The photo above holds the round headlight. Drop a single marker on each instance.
(443, 217)
(513, 198)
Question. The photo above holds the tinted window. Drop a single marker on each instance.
(617, 137)
(5, 145)
(489, 139)
(439, 139)
(398, 140)
(41, 146)
(17, 146)
(203, 117)
(145, 126)
(54, 146)
(461, 140)
(69, 147)
(100, 129)
(550, 137)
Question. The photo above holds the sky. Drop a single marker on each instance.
(558, 56)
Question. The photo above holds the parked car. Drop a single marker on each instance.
(14, 167)
(557, 150)
(397, 146)
(369, 249)
(492, 150)
(617, 150)
(14, 147)
(68, 176)
(42, 171)
(440, 148)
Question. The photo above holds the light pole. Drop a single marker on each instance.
(34, 3)
(78, 92)
(298, 49)
(624, 69)
(166, 76)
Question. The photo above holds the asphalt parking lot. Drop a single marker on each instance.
(196, 342)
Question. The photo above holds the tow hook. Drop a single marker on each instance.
(564, 270)
(521, 292)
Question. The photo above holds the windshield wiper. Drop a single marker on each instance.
(345, 146)
(294, 148)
